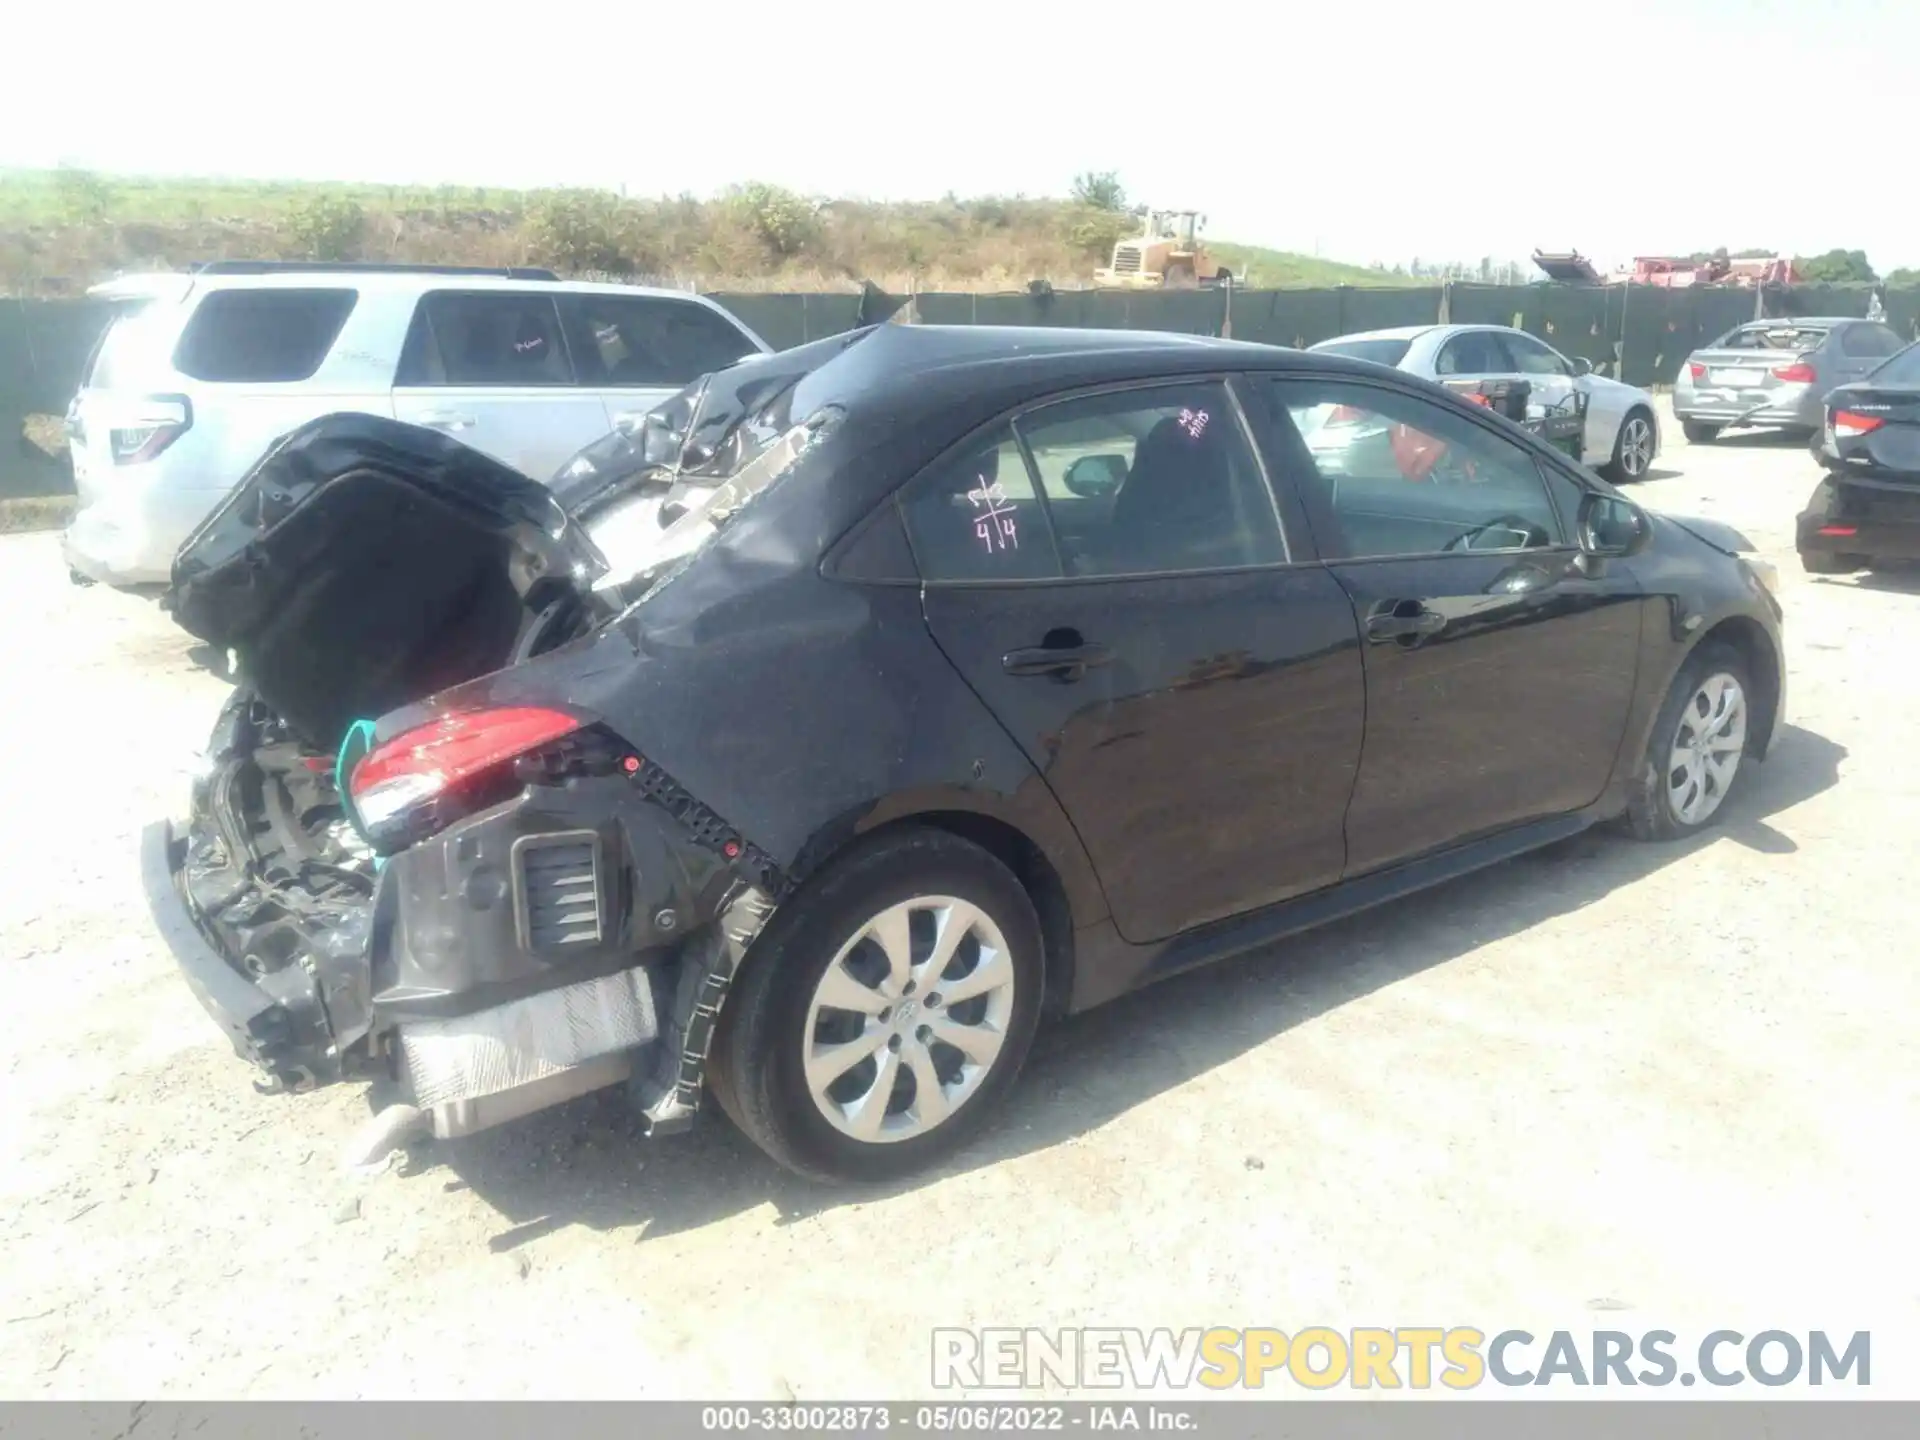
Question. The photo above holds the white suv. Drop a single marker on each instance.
(199, 373)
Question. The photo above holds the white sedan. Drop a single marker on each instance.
(1622, 436)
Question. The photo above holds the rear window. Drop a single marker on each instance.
(1381, 352)
(262, 335)
(1776, 337)
(1902, 369)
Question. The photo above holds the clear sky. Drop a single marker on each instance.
(1366, 129)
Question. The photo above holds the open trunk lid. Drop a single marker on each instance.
(363, 563)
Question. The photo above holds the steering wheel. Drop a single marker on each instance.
(1464, 540)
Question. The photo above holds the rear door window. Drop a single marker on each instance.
(485, 338)
(261, 336)
(650, 342)
(1157, 480)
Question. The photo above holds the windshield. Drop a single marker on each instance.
(1381, 352)
(1903, 369)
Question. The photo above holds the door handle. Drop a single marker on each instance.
(447, 420)
(1063, 662)
(1408, 620)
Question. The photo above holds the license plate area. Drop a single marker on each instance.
(1739, 379)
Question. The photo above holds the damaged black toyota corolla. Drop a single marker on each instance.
(962, 677)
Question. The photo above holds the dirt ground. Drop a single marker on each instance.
(1605, 1078)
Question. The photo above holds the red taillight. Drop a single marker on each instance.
(1798, 373)
(438, 757)
(1848, 423)
(1696, 370)
(1842, 531)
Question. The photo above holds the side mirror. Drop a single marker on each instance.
(1609, 525)
(1582, 365)
(1094, 477)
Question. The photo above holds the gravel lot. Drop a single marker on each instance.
(1609, 1077)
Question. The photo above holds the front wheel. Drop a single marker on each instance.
(1699, 743)
(884, 1012)
(1632, 448)
(1699, 432)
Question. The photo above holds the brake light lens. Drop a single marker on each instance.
(140, 430)
(399, 788)
(1798, 373)
(1696, 370)
(1847, 423)
(1842, 532)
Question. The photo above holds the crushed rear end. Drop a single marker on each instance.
(388, 873)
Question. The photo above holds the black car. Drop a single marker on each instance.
(981, 675)
(1866, 510)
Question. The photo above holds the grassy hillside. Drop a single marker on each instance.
(62, 230)
(1271, 269)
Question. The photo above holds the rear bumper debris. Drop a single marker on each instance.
(262, 1030)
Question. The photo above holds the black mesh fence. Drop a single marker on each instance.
(1641, 334)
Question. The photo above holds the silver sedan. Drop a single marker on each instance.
(1777, 372)
(1622, 437)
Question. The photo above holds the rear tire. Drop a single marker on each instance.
(863, 920)
(1697, 752)
(1699, 432)
(1632, 449)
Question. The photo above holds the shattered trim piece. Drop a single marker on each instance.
(711, 830)
(706, 974)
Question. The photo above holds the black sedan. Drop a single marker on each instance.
(977, 676)
(1866, 510)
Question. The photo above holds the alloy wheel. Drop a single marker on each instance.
(1707, 746)
(908, 1019)
(1636, 447)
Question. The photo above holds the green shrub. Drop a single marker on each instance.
(328, 227)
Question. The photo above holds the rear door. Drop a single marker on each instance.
(493, 369)
(1498, 675)
(1110, 575)
(633, 351)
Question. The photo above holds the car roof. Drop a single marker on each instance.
(1394, 332)
(1802, 322)
(178, 284)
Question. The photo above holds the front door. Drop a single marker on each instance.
(1110, 576)
(492, 369)
(1498, 674)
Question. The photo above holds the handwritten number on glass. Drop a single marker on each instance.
(1194, 422)
(993, 517)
